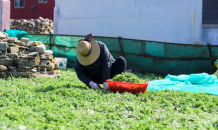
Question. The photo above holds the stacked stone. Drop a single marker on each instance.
(25, 58)
(37, 26)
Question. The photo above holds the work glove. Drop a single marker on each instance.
(93, 85)
(106, 85)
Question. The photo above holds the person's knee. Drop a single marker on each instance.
(121, 59)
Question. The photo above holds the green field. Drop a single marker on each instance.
(66, 103)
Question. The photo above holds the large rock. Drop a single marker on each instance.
(3, 35)
(3, 68)
(27, 61)
(49, 52)
(25, 40)
(7, 61)
(13, 55)
(53, 60)
(21, 61)
(13, 49)
(28, 70)
(20, 43)
(41, 49)
(34, 62)
(56, 66)
(34, 54)
(50, 66)
(14, 74)
(46, 57)
(36, 43)
(24, 67)
(10, 39)
(3, 75)
(3, 56)
(11, 44)
(44, 62)
(12, 68)
(3, 46)
(32, 49)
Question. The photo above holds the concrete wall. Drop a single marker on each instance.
(0, 16)
(5, 16)
(175, 21)
(210, 35)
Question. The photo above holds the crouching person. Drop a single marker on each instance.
(95, 64)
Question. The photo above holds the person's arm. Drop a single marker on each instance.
(81, 74)
(106, 63)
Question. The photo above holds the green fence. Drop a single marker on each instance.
(141, 55)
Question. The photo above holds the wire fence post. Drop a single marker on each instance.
(120, 43)
(50, 41)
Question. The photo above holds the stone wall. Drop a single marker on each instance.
(37, 26)
(25, 58)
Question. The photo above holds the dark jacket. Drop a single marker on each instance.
(101, 68)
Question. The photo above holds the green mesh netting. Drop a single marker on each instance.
(142, 56)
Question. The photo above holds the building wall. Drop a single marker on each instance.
(175, 21)
(45, 10)
(210, 35)
(5, 16)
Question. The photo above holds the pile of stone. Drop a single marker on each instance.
(24, 58)
(33, 26)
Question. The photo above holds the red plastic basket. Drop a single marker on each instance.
(121, 87)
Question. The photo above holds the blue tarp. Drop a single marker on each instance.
(202, 82)
(15, 33)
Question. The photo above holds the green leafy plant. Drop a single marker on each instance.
(67, 103)
(127, 77)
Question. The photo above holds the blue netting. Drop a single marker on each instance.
(202, 82)
(15, 33)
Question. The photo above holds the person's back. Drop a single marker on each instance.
(95, 69)
(95, 64)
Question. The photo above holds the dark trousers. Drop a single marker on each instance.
(118, 67)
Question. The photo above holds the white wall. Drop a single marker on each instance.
(0, 17)
(210, 35)
(5, 14)
(175, 21)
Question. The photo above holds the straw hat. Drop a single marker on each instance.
(87, 53)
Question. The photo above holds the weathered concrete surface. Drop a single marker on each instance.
(5, 16)
(210, 35)
(175, 21)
